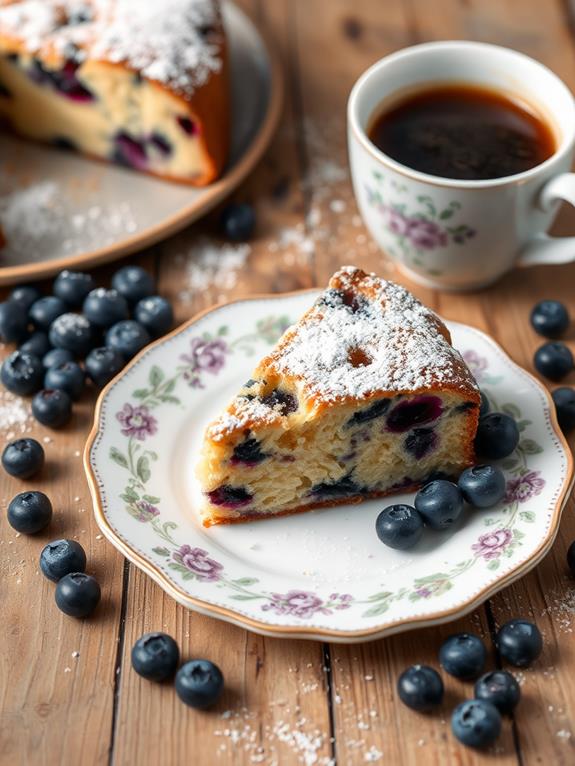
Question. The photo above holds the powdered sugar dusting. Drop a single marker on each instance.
(14, 415)
(174, 42)
(38, 218)
(397, 338)
(209, 264)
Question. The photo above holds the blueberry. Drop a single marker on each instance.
(73, 286)
(26, 295)
(238, 221)
(77, 594)
(483, 486)
(519, 642)
(399, 526)
(463, 655)
(155, 656)
(45, 310)
(374, 411)
(23, 458)
(485, 405)
(330, 490)
(571, 557)
(420, 442)
(281, 400)
(37, 344)
(497, 436)
(414, 412)
(68, 377)
(62, 557)
(440, 503)
(155, 314)
(105, 307)
(420, 688)
(549, 318)
(564, 399)
(22, 374)
(134, 283)
(52, 408)
(476, 723)
(103, 364)
(56, 357)
(127, 338)
(248, 452)
(13, 322)
(74, 333)
(130, 152)
(230, 497)
(199, 683)
(30, 512)
(500, 688)
(553, 360)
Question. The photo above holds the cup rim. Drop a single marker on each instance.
(564, 147)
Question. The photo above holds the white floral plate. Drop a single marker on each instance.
(322, 574)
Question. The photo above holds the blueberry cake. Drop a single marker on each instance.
(143, 83)
(363, 397)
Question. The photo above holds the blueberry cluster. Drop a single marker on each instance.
(475, 722)
(79, 332)
(440, 503)
(554, 360)
(156, 656)
(30, 512)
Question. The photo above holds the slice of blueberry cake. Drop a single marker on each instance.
(142, 83)
(363, 397)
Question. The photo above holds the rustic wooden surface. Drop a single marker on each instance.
(67, 692)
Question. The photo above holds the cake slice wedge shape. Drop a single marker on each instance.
(363, 397)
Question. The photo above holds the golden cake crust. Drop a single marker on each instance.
(401, 348)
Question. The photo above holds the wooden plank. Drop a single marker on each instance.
(275, 708)
(56, 673)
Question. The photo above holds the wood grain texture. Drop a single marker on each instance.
(287, 702)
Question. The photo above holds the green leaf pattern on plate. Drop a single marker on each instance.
(207, 356)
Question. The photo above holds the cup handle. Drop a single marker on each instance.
(543, 248)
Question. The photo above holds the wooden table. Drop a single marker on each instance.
(67, 692)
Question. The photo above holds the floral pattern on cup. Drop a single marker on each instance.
(137, 421)
(418, 226)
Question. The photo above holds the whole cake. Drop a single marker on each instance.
(143, 83)
(364, 396)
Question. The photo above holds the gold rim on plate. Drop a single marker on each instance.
(315, 633)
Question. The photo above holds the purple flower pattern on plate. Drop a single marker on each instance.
(137, 421)
(303, 604)
(524, 487)
(492, 544)
(208, 354)
(143, 511)
(198, 561)
(477, 364)
(204, 356)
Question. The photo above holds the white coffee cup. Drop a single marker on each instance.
(448, 233)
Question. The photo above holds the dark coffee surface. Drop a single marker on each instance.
(463, 132)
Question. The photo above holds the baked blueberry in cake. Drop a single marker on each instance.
(363, 397)
(143, 83)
